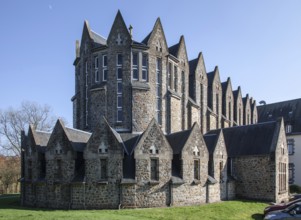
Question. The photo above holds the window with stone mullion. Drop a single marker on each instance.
(119, 74)
(144, 67)
(103, 169)
(135, 66)
(158, 91)
(104, 68)
(196, 169)
(154, 170)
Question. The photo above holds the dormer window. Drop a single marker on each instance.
(103, 149)
(153, 150)
(196, 151)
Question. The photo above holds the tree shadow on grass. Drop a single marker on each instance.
(257, 216)
(13, 202)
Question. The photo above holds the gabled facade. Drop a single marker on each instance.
(228, 103)
(291, 112)
(247, 110)
(215, 95)
(238, 107)
(217, 167)
(140, 111)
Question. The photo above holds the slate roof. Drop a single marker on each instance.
(210, 140)
(246, 140)
(77, 138)
(177, 140)
(97, 38)
(145, 40)
(290, 111)
(192, 65)
(42, 138)
(130, 141)
(210, 77)
(224, 87)
(173, 50)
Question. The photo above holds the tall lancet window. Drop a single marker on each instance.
(119, 88)
(158, 90)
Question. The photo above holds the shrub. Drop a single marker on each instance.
(295, 188)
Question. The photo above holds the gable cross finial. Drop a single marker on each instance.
(119, 40)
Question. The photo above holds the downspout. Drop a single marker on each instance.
(120, 195)
(70, 195)
(207, 192)
(170, 193)
(85, 193)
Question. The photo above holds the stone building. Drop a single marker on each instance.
(290, 110)
(151, 129)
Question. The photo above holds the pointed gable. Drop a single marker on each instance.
(153, 137)
(103, 139)
(68, 138)
(188, 147)
(157, 36)
(217, 155)
(214, 88)
(254, 113)
(86, 34)
(228, 100)
(119, 34)
(247, 110)
(196, 140)
(238, 106)
(213, 76)
(179, 50)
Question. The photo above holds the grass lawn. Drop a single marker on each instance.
(240, 210)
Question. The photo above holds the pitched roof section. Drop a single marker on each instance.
(98, 38)
(192, 65)
(210, 140)
(130, 141)
(255, 139)
(290, 110)
(42, 138)
(178, 140)
(173, 50)
(236, 93)
(76, 135)
(77, 138)
(211, 75)
(158, 24)
(145, 40)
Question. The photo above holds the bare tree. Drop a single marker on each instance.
(13, 121)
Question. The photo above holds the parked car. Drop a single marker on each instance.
(291, 212)
(280, 206)
(295, 196)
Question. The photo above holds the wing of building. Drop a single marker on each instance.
(152, 128)
(291, 112)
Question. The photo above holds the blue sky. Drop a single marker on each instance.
(256, 43)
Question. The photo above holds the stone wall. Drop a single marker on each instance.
(256, 177)
(175, 114)
(142, 108)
